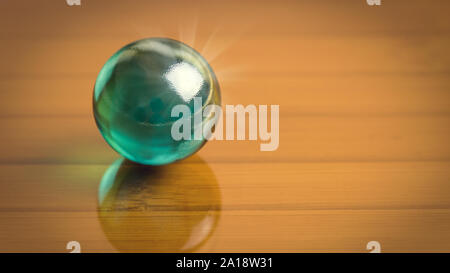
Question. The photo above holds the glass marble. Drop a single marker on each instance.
(136, 90)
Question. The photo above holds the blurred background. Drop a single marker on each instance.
(364, 154)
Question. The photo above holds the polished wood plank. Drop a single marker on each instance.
(312, 207)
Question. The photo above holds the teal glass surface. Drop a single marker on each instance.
(136, 90)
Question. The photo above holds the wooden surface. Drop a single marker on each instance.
(364, 155)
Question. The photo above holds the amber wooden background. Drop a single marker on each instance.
(364, 120)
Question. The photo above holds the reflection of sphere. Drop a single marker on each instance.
(136, 91)
(172, 208)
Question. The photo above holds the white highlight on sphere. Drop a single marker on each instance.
(185, 79)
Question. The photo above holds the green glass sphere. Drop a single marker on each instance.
(136, 91)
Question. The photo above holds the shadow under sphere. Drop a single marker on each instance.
(171, 208)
